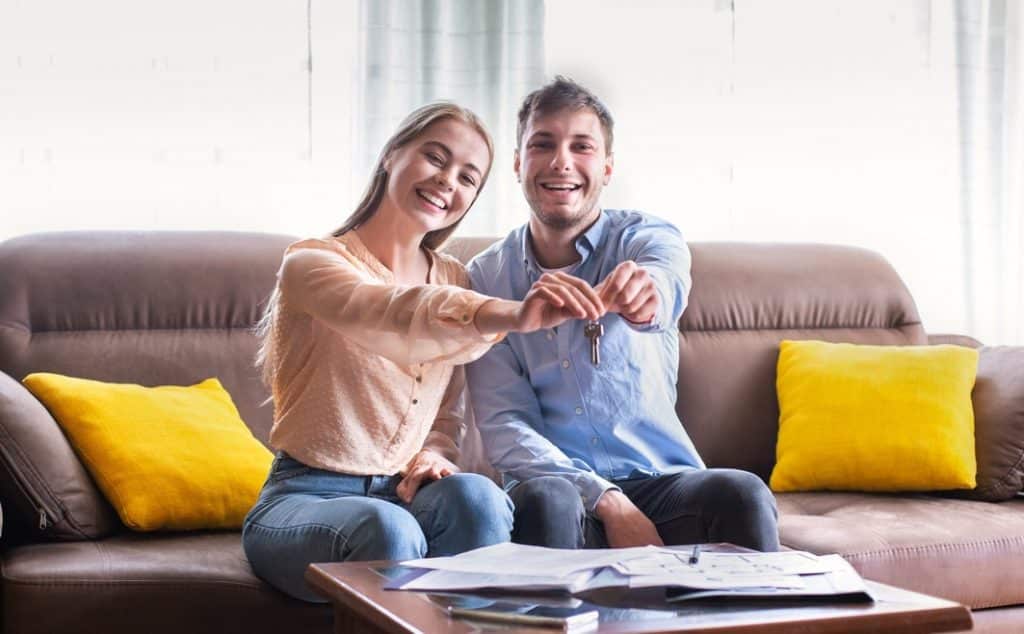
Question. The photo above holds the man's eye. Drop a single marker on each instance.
(435, 158)
(584, 147)
(543, 145)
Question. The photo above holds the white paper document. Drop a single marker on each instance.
(447, 580)
(516, 559)
(532, 568)
(669, 563)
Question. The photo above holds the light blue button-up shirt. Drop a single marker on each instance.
(544, 409)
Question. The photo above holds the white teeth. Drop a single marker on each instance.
(561, 187)
(434, 200)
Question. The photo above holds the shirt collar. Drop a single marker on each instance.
(586, 243)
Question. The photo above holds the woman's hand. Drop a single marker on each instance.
(552, 300)
(556, 298)
(425, 465)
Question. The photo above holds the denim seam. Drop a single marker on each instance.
(333, 529)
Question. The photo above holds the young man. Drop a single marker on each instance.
(592, 449)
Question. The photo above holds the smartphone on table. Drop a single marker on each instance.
(567, 619)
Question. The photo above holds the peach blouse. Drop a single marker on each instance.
(366, 371)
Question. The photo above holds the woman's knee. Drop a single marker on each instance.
(473, 497)
(385, 531)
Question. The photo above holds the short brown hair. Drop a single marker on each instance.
(564, 94)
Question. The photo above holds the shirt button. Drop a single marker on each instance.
(565, 363)
(550, 336)
(593, 441)
(414, 401)
(579, 410)
(419, 379)
(465, 318)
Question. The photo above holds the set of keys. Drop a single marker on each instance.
(593, 331)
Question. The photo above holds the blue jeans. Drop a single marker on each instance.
(306, 515)
(691, 507)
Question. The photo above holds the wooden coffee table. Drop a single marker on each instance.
(361, 604)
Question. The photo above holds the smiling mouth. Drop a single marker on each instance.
(560, 187)
(433, 200)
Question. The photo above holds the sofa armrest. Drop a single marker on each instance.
(998, 399)
(956, 340)
(46, 490)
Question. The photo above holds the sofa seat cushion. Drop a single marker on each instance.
(966, 551)
(195, 582)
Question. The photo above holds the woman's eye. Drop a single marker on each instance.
(434, 158)
(468, 180)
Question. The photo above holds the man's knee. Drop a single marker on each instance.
(743, 491)
(549, 512)
(549, 496)
(745, 509)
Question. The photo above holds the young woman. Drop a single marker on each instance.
(361, 346)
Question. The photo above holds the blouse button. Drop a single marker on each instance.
(414, 401)
(419, 379)
(565, 363)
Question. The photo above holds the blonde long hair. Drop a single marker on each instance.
(411, 127)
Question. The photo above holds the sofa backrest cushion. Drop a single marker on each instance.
(154, 308)
(173, 308)
(746, 298)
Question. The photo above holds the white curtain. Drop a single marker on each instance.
(989, 74)
(483, 54)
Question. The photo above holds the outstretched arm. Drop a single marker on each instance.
(423, 323)
(651, 286)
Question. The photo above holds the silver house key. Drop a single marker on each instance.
(593, 331)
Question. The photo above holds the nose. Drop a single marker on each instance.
(561, 161)
(444, 179)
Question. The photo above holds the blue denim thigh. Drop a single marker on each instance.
(461, 512)
(307, 515)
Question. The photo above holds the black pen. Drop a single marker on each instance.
(695, 555)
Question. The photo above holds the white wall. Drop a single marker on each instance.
(190, 114)
(809, 120)
(788, 120)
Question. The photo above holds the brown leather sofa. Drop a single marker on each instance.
(175, 308)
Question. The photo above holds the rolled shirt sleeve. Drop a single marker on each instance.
(659, 248)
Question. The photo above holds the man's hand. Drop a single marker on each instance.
(426, 465)
(629, 290)
(624, 524)
(556, 298)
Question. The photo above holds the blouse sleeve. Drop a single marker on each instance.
(406, 324)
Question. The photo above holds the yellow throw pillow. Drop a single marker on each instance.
(874, 418)
(169, 457)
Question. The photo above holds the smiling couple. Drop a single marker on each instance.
(366, 332)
